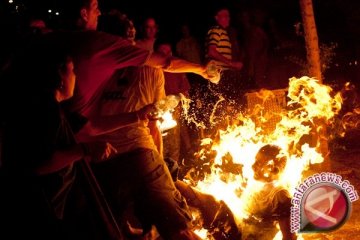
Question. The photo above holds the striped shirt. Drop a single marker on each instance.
(219, 37)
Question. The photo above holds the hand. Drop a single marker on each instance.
(147, 112)
(237, 65)
(211, 72)
(100, 151)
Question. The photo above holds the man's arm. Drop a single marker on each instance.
(106, 124)
(177, 65)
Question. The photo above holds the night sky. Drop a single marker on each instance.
(337, 20)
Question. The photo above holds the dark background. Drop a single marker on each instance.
(337, 21)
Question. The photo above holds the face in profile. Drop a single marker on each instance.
(130, 30)
(269, 163)
(223, 18)
(91, 16)
(165, 49)
(68, 77)
(185, 30)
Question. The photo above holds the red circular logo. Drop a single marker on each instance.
(326, 206)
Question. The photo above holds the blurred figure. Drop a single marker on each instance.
(42, 160)
(256, 47)
(228, 92)
(38, 26)
(150, 29)
(175, 84)
(218, 45)
(188, 47)
(118, 23)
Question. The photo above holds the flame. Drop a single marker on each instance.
(167, 122)
(202, 233)
(298, 133)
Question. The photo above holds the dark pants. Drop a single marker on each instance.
(141, 176)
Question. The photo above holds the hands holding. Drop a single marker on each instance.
(211, 72)
(147, 112)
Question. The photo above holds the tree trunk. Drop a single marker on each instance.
(313, 59)
(311, 39)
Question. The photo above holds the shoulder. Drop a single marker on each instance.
(214, 29)
(281, 195)
(87, 39)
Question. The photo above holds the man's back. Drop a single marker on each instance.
(130, 90)
(96, 56)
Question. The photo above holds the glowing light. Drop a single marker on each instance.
(11, 1)
(167, 122)
(57, 13)
(49, 11)
(202, 233)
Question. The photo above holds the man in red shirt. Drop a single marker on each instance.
(96, 57)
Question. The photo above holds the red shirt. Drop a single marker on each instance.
(97, 56)
(176, 83)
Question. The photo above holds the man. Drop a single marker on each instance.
(218, 42)
(177, 138)
(150, 33)
(219, 51)
(97, 56)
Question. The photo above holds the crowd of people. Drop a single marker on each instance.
(82, 156)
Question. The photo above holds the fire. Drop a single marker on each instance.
(165, 107)
(167, 122)
(311, 106)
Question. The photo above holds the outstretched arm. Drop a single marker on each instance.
(177, 65)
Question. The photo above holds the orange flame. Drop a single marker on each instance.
(310, 106)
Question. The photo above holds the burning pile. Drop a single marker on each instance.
(243, 160)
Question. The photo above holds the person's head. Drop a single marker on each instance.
(150, 28)
(222, 17)
(37, 23)
(38, 26)
(45, 69)
(118, 23)
(130, 30)
(56, 75)
(82, 14)
(185, 30)
(163, 46)
(269, 163)
(65, 89)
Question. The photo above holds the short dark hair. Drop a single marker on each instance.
(115, 23)
(162, 40)
(71, 10)
(219, 5)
